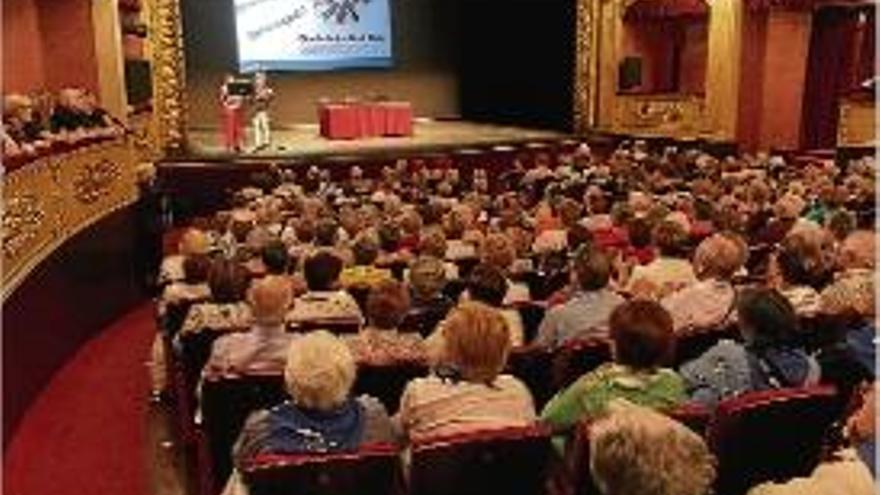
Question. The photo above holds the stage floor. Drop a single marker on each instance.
(304, 140)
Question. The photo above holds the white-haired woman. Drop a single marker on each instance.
(321, 415)
(625, 458)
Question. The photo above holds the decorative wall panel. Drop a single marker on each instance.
(50, 200)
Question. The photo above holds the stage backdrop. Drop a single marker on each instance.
(424, 71)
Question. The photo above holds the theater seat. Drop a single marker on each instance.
(770, 435)
(577, 357)
(226, 404)
(534, 366)
(511, 461)
(692, 344)
(373, 469)
(386, 382)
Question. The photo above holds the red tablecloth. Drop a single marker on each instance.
(358, 120)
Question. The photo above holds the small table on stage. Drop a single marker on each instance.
(359, 120)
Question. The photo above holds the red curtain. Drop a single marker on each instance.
(831, 73)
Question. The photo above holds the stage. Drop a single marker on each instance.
(304, 141)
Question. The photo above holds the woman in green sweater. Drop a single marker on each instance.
(642, 339)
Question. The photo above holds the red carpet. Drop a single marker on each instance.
(87, 432)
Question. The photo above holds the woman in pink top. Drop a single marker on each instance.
(467, 392)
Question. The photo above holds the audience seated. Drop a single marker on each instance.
(486, 284)
(587, 311)
(769, 357)
(191, 288)
(671, 271)
(637, 451)
(321, 416)
(711, 301)
(380, 342)
(262, 349)
(35, 124)
(584, 235)
(192, 242)
(364, 273)
(642, 336)
(324, 301)
(804, 262)
(467, 391)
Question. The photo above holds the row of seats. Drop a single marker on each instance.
(752, 436)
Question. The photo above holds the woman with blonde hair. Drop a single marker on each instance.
(467, 392)
(637, 451)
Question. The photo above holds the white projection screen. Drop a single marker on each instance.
(313, 35)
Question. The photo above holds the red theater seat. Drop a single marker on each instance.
(770, 435)
(577, 357)
(511, 461)
(534, 366)
(226, 404)
(387, 382)
(374, 469)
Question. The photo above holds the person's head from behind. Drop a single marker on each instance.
(228, 281)
(638, 451)
(427, 277)
(365, 250)
(320, 371)
(389, 237)
(639, 230)
(669, 237)
(486, 284)
(476, 341)
(592, 268)
(433, 243)
(275, 257)
(270, 298)
(326, 233)
(718, 257)
(193, 241)
(841, 223)
(857, 250)
(766, 318)
(805, 257)
(387, 304)
(498, 251)
(641, 334)
(321, 271)
(196, 268)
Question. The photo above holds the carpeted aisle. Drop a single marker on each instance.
(87, 432)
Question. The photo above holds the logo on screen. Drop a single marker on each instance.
(340, 10)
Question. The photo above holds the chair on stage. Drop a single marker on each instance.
(770, 435)
(512, 461)
(372, 469)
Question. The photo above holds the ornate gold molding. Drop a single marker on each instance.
(48, 201)
(598, 105)
(169, 75)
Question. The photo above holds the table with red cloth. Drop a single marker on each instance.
(368, 119)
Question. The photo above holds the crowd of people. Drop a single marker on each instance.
(644, 246)
(36, 124)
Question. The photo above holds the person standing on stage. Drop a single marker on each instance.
(262, 96)
(232, 105)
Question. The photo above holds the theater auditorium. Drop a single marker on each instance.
(439, 247)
